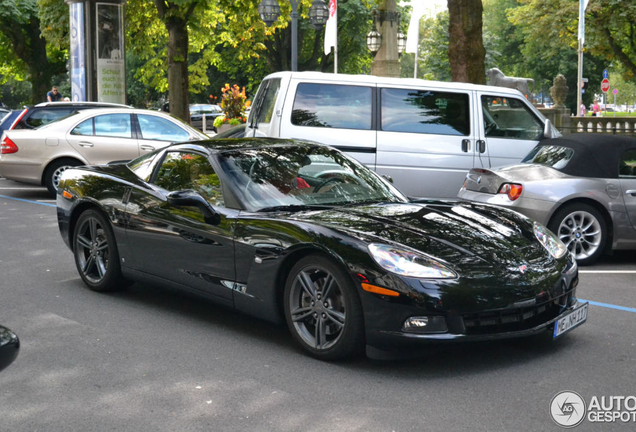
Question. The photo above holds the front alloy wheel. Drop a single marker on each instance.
(323, 310)
(96, 255)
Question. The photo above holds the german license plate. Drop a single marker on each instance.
(571, 320)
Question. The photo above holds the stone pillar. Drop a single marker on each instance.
(386, 61)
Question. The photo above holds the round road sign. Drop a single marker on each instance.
(605, 85)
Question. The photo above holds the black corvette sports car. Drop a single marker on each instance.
(297, 232)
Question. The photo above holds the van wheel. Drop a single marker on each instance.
(54, 172)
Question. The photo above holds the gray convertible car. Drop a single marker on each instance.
(583, 187)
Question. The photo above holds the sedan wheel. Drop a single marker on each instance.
(323, 310)
(96, 254)
(582, 229)
(54, 172)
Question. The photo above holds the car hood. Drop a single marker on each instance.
(460, 233)
(490, 181)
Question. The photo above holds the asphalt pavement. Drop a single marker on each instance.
(153, 359)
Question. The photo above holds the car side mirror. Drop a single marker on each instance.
(190, 198)
(547, 129)
(9, 347)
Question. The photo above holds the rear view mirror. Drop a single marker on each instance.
(547, 129)
(190, 198)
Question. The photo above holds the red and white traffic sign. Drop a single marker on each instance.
(605, 85)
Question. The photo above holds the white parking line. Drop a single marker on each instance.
(608, 271)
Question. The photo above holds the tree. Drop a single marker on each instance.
(466, 51)
(23, 49)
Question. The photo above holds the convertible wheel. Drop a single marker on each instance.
(583, 230)
(323, 310)
(54, 173)
(96, 255)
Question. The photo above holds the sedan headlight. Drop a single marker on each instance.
(407, 263)
(549, 241)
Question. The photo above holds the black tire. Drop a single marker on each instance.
(583, 230)
(55, 170)
(327, 319)
(96, 255)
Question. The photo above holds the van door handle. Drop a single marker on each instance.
(86, 144)
(481, 146)
(465, 145)
(146, 147)
(631, 192)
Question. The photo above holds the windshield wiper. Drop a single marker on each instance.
(365, 202)
(294, 207)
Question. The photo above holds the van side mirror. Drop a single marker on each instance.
(190, 198)
(547, 129)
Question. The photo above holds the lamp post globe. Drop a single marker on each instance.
(318, 14)
(269, 11)
(374, 41)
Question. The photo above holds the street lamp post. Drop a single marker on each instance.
(269, 11)
(385, 44)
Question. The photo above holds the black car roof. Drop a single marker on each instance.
(229, 144)
(595, 155)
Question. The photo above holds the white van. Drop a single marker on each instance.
(425, 135)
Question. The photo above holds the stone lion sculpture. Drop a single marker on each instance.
(497, 78)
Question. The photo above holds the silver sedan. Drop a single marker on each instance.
(583, 187)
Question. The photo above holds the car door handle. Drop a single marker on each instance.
(481, 146)
(146, 147)
(631, 192)
(465, 145)
(86, 144)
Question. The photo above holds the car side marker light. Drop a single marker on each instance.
(379, 290)
(67, 195)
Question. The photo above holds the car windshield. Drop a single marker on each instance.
(556, 157)
(284, 177)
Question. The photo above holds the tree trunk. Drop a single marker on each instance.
(466, 52)
(178, 83)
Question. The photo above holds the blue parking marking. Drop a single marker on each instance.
(611, 306)
(28, 201)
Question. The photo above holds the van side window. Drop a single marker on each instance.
(268, 91)
(332, 106)
(423, 111)
(509, 118)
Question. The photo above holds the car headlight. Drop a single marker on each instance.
(549, 241)
(407, 263)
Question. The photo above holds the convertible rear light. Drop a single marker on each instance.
(513, 190)
(7, 146)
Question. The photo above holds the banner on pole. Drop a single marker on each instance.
(331, 29)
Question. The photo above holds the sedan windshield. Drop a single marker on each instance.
(298, 177)
(556, 157)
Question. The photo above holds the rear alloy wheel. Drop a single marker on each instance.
(96, 255)
(54, 173)
(583, 230)
(323, 310)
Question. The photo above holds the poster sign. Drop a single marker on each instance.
(111, 68)
(78, 53)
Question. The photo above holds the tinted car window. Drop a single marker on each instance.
(334, 106)
(157, 128)
(509, 118)
(182, 170)
(113, 125)
(44, 116)
(84, 128)
(556, 157)
(423, 111)
(627, 164)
